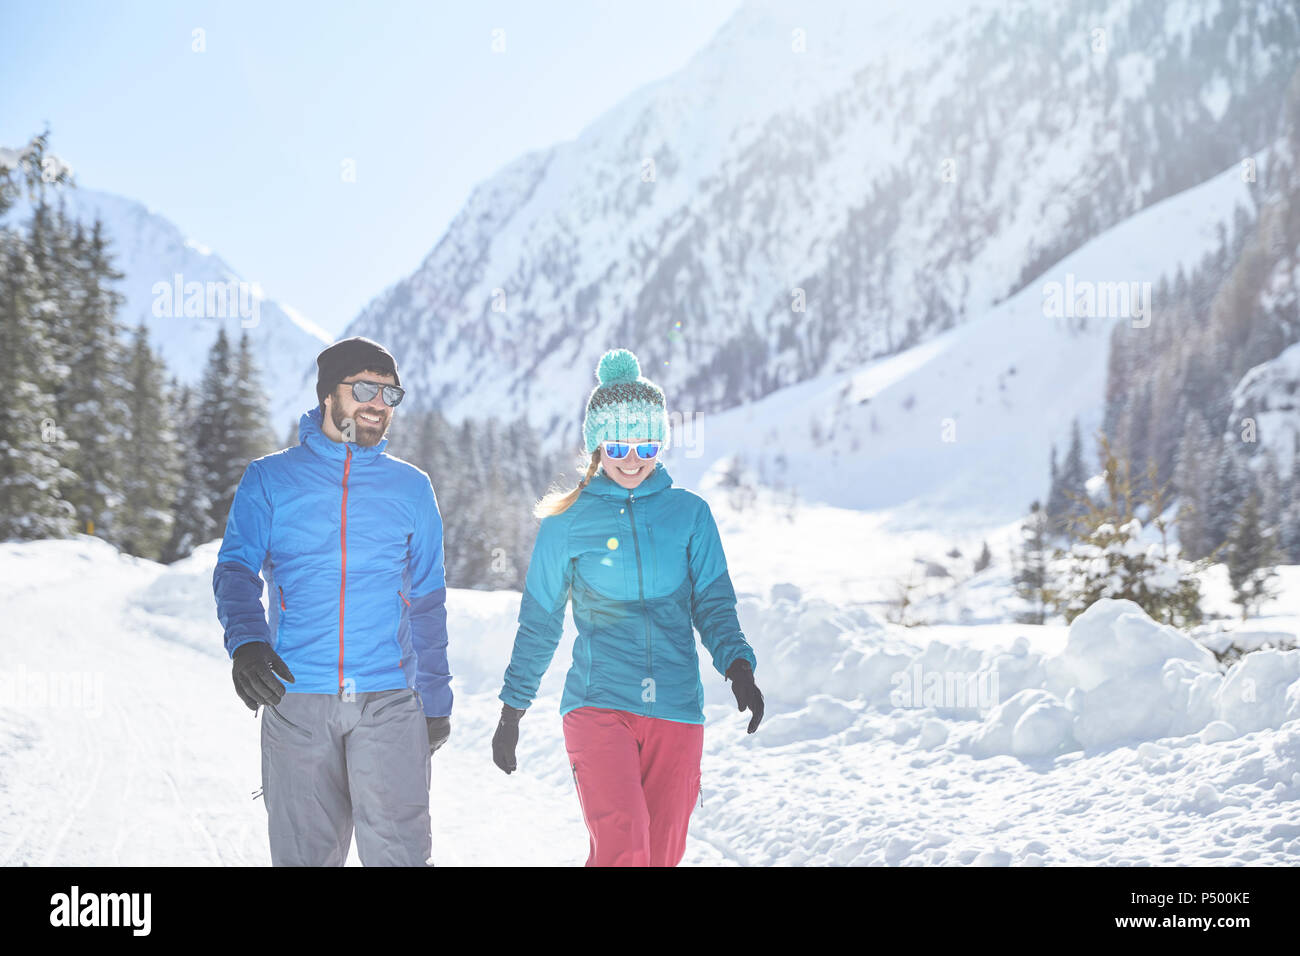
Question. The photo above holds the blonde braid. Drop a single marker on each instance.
(558, 501)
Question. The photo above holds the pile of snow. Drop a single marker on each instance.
(1120, 678)
(1126, 677)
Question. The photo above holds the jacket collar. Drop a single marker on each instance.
(605, 486)
(310, 434)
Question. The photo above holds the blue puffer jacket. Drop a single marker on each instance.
(643, 567)
(349, 540)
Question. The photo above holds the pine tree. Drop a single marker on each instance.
(985, 558)
(251, 430)
(216, 438)
(434, 451)
(152, 461)
(217, 433)
(192, 522)
(53, 250)
(1109, 559)
(499, 542)
(1192, 476)
(1030, 577)
(34, 445)
(1289, 528)
(93, 401)
(463, 536)
(34, 170)
(1228, 488)
(32, 452)
(1269, 485)
(1251, 554)
(1073, 483)
(1057, 503)
(489, 530)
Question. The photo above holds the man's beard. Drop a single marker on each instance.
(367, 435)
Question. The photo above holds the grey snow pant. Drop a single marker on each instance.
(328, 761)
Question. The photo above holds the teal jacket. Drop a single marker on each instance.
(643, 567)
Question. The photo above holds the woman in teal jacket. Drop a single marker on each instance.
(644, 564)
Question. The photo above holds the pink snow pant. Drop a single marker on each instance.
(637, 779)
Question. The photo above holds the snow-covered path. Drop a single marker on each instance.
(149, 758)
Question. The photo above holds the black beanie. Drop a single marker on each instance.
(347, 357)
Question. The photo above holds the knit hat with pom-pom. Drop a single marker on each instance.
(624, 405)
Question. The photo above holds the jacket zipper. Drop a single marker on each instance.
(400, 659)
(343, 577)
(649, 660)
(281, 598)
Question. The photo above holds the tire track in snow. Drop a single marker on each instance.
(144, 753)
(78, 808)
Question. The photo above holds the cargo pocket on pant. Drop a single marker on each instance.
(406, 696)
(284, 721)
(284, 745)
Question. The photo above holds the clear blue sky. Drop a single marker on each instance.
(241, 145)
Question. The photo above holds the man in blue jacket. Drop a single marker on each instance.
(349, 542)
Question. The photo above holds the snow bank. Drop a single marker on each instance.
(1120, 679)
(1124, 678)
(1127, 678)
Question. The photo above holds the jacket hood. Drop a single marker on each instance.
(310, 435)
(602, 484)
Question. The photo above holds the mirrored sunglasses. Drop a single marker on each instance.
(644, 450)
(365, 391)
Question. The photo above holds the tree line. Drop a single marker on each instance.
(98, 438)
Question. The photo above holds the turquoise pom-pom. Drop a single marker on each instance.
(618, 365)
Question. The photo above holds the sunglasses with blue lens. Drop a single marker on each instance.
(644, 450)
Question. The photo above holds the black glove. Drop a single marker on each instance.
(439, 731)
(255, 667)
(747, 693)
(504, 740)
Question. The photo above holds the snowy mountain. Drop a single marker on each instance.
(952, 434)
(821, 188)
(159, 264)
